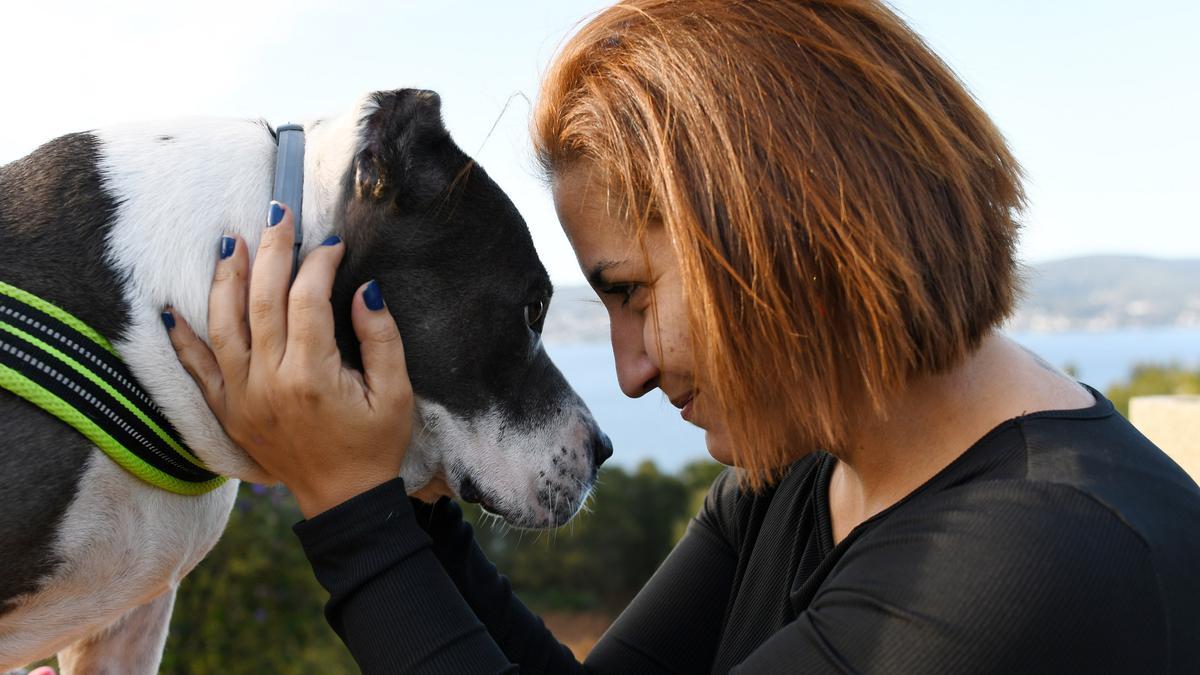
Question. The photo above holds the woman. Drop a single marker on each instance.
(803, 230)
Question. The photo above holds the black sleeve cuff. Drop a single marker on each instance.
(390, 600)
(358, 538)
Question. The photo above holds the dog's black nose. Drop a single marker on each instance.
(601, 447)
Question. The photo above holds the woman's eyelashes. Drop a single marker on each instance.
(624, 291)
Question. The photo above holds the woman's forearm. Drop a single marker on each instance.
(520, 633)
(411, 591)
(390, 600)
(672, 625)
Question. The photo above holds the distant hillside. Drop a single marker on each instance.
(576, 315)
(1106, 292)
(1089, 293)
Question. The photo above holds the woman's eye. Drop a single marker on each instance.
(534, 313)
(625, 291)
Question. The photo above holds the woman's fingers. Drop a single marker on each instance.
(197, 360)
(294, 392)
(382, 350)
(310, 339)
(228, 332)
(269, 283)
(434, 490)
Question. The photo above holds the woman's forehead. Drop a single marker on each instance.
(587, 213)
(606, 243)
(580, 192)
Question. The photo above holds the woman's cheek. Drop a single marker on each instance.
(652, 338)
(671, 328)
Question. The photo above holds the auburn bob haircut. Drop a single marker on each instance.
(844, 213)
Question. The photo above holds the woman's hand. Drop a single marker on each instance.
(278, 385)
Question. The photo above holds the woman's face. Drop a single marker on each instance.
(643, 291)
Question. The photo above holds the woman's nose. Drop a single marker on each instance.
(636, 371)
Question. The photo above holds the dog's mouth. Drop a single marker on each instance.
(552, 509)
(469, 492)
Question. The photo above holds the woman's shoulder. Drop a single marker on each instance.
(1007, 562)
(1056, 475)
(1039, 466)
(1082, 523)
(1100, 455)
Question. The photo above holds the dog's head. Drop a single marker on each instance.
(459, 272)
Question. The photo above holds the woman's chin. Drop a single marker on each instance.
(719, 446)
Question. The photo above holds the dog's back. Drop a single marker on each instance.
(82, 541)
(54, 216)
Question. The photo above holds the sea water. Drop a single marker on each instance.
(650, 428)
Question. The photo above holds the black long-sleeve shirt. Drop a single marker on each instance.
(1061, 542)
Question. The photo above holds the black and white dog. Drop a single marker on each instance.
(112, 225)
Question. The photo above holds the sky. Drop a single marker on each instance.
(1100, 99)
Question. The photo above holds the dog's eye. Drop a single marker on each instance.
(534, 313)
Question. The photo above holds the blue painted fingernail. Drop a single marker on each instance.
(373, 297)
(275, 214)
(227, 246)
(332, 240)
(168, 320)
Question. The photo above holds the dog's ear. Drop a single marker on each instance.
(397, 125)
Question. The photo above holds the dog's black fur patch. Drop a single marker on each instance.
(54, 218)
(456, 264)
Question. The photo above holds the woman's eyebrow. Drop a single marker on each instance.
(595, 275)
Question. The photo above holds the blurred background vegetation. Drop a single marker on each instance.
(1150, 379)
(253, 606)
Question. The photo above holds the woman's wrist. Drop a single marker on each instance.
(317, 499)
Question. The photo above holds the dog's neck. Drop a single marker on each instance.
(218, 175)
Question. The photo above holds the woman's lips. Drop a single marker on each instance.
(686, 413)
(684, 403)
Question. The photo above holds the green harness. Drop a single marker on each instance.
(60, 364)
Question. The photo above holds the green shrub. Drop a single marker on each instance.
(1154, 379)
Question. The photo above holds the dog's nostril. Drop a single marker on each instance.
(468, 491)
(601, 447)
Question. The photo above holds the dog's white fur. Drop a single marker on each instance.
(127, 545)
(513, 465)
(133, 644)
(166, 248)
(124, 544)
